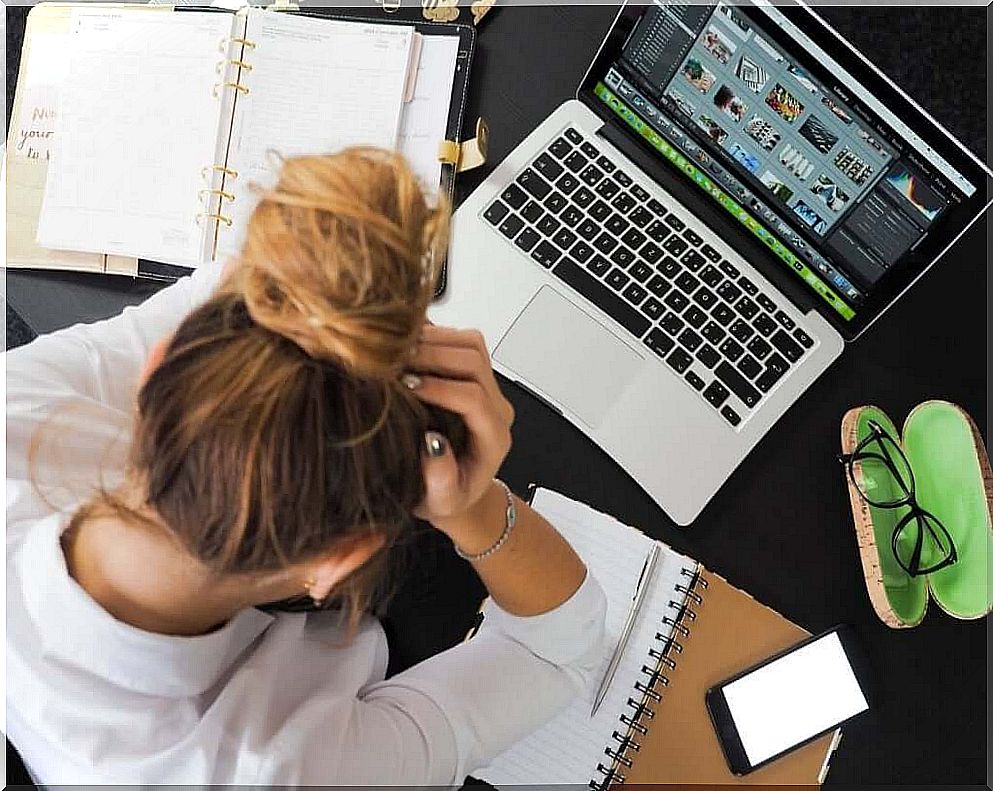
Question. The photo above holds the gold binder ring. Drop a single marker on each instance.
(218, 169)
(236, 85)
(222, 193)
(219, 217)
(239, 63)
(226, 42)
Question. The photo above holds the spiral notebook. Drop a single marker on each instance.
(693, 631)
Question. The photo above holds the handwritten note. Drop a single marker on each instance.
(35, 127)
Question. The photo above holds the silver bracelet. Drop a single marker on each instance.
(507, 530)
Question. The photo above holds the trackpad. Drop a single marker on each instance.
(568, 356)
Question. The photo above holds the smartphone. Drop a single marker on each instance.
(790, 699)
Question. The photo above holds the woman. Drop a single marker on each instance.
(285, 431)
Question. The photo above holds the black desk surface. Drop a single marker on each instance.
(781, 528)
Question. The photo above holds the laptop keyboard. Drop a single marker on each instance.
(578, 215)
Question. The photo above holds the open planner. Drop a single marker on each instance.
(160, 126)
(693, 631)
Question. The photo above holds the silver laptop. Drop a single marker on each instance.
(671, 259)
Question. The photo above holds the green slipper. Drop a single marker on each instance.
(953, 482)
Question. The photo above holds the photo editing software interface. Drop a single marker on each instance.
(805, 165)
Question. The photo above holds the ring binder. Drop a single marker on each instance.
(215, 216)
(224, 195)
(218, 169)
(221, 64)
(637, 723)
(227, 41)
(236, 85)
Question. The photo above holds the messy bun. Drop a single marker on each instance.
(341, 257)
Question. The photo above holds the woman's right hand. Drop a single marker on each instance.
(453, 371)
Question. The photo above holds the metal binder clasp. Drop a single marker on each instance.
(469, 154)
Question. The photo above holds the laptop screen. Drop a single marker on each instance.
(802, 157)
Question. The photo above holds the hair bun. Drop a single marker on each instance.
(341, 258)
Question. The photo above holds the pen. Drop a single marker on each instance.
(644, 582)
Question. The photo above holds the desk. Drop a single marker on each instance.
(781, 527)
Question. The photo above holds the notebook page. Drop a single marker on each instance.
(136, 123)
(568, 749)
(316, 86)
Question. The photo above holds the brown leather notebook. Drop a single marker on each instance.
(722, 632)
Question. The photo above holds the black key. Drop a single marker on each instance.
(708, 355)
(603, 298)
(560, 148)
(675, 245)
(731, 349)
(787, 346)
(581, 252)
(548, 225)
(676, 301)
(690, 339)
(657, 208)
(600, 211)
(622, 257)
(575, 161)
(728, 291)
(652, 308)
(640, 216)
(764, 324)
(583, 197)
(591, 175)
(695, 381)
(659, 286)
(722, 314)
(781, 317)
(713, 333)
(599, 265)
(623, 203)
(768, 378)
(514, 196)
(617, 279)
(548, 167)
(606, 165)
(778, 363)
(528, 239)
(567, 184)
(590, 150)
(588, 229)
(675, 223)
(747, 308)
(617, 225)
(573, 135)
(571, 216)
(716, 393)
(730, 416)
(711, 276)
(659, 342)
(607, 188)
(640, 193)
(634, 238)
(634, 294)
(555, 202)
(640, 271)
(748, 286)
(738, 385)
(805, 340)
(605, 242)
(759, 347)
(766, 303)
(729, 269)
(687, 283)
(658, 231)
(741, 331)
(693, 260)
(532, 212)
(672, 324)
(534, 184)
(692, 237)
(546, 254)
(511, 226)
(564, 238)
(710, 253)
(695, 316)
(705, 298)
(749, 366)
(679, 360)
(623, 178)
(496, 212)
(651, 252)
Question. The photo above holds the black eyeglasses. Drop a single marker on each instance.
(881, 460)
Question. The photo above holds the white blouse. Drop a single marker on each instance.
(265, 700)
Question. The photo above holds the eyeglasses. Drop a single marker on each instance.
(881, 464)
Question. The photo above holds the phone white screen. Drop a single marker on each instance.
(794, 698)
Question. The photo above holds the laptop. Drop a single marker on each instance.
(672, 258)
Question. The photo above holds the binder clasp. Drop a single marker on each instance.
(469, 154)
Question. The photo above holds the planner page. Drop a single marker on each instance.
(568, 749)
(316, 86)
(136, 124)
